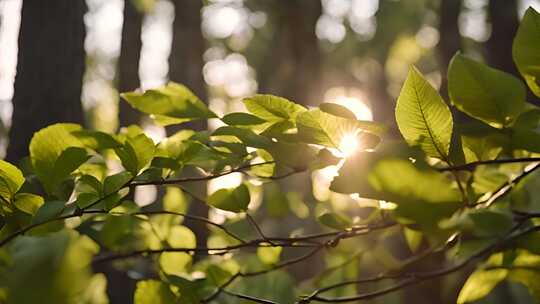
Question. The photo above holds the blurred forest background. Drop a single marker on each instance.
(67, 61)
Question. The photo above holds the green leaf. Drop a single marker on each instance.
(153, 292)
(46, 147)
(68, 161)
(96, 290)
(480, 284)
(137, 153)
(524, 133)
(272, 108)
(181, 237)
(96, 140)
(174, 263)
(89, 184)
(170, 104)
(480, 141)
(248, 137)
(334, 220)
(11, 180)
(484, 93)
(526, 49)
(217, 276)
(120, 232)
(232, 199)
(422, 116)
(296, 156)
(528, 277)
(115, 182)
(191, 291)
(50, 269)
(412, 183)
(413, 238)
(27, 202)
(242, 119)
(324, 159)
(49, 210)
(269, 255)
(337, 110)
(490, 223)
(175, 200)
(423, 196)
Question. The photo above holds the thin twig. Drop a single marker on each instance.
(471, 166)
(258, 229)
(249, 298)
(413, 278)
(174, 181)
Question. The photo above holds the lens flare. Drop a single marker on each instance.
(348, 145)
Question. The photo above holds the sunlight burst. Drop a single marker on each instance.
(349, 144)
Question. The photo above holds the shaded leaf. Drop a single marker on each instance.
(484, 93)
(334, 220)
(526, 49)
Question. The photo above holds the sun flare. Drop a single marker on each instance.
(349, 144)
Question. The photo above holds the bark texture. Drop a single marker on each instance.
(128, 63)
(50, 70)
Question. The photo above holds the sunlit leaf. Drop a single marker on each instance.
(480, 284)
(153, 292)
(422, 116)
(174, 262)
(317, 127)
(233, 199)
(28, 202)
(137, 153)
(272, 108)
(11, 180)
(269, 255)
(46, 147)
(173, 102)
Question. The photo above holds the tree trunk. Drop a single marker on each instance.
(504, 24)
(450, 41)
(128, 63)
(293, 63)
(185, 67)
(50, 69)
(186, 60)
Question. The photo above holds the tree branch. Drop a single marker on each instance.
(413, 278)
(471, 166)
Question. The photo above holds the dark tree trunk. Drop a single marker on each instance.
(188, 46)
(504, 24)
(498, 49)
(128, 63)
(50, 69)
(185, 67)
(450, 41)
(293, 64)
